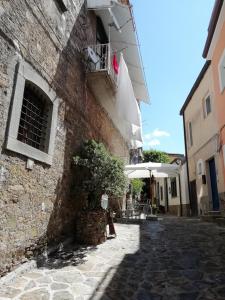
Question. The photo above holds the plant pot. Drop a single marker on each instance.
(91, 227)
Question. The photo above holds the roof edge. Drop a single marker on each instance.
(212, 25)
(195, 86)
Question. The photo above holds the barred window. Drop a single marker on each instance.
(34, 118)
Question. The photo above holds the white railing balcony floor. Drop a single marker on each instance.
(99, 59)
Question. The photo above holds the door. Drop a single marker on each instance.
(158, 195)
(193, 198)
(213, 183)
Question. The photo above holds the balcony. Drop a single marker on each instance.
(102, 79)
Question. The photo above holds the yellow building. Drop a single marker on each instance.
(205, 171)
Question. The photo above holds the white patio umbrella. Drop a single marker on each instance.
(145, 170)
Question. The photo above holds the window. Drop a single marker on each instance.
(207, 106)
(62, 5)
(190, 133)
(200, 167)
(33, 119)
(158, 190)
(173, 187)
(161, 193)
(33, 126)
(221, 69)
(101, 36)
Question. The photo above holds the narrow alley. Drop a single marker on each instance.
(175, 258)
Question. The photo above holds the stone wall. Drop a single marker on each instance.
(91, 228)
(36, 205)
(175, 210)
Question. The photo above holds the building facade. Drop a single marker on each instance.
(214, 51)
(206, 184)
(172, 193)
(54, 55)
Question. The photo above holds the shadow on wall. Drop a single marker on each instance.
(80, 118)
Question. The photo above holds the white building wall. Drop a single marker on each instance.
(174, 201)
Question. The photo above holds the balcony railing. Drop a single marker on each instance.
(99, 58)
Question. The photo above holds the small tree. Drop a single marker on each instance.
(137, 186)
(103, 173)
(155, 156)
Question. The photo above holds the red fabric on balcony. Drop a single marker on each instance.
(115, 64)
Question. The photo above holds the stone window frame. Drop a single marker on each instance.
(221, 72)
(27, 73)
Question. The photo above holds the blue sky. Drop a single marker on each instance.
(172, 35)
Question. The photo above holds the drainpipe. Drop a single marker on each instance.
(187, 163)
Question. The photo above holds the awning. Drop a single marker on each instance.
(123, 39)
(145, 170)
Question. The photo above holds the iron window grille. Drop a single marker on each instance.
(34, 118)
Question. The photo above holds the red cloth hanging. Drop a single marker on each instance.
(115, 64)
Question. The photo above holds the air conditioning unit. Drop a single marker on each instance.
(91, 55)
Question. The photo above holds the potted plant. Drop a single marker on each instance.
(102, 174)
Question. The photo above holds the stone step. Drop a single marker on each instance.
(220, 221)
(214, 213)
(209, 218)
(152, 218)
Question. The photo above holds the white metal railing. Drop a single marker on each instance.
(99, 58)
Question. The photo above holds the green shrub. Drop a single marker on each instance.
(104, 173)
(137, 186)
(155, 156)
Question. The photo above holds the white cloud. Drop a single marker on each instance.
(154, 142)
(160, 133)
(148, 136)
(153, 138)
(156, 133)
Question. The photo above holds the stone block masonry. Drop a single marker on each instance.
(36, 205)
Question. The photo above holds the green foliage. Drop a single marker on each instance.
(137, 186)
(104, 173)
(155, 156)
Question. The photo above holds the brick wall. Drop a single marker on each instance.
(52, 43)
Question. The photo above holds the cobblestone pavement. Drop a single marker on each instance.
(170, 259)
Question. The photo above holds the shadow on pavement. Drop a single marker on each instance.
(62, 256)
(177, 259)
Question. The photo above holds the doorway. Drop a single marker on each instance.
(213, 184)
(193, 198)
